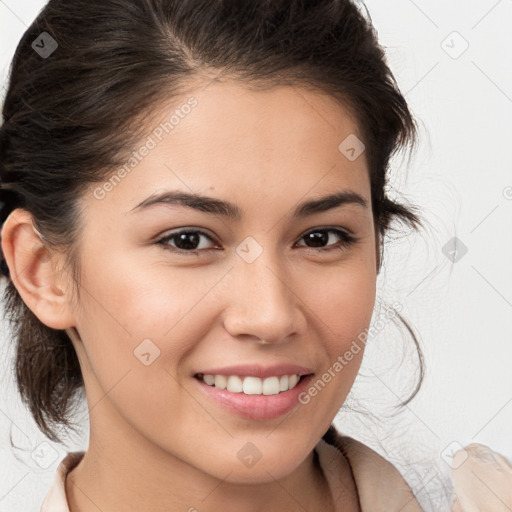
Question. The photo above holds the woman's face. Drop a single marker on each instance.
(254, 289)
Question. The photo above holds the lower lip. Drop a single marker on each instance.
(256, 407)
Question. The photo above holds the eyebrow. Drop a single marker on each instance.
(229, 210)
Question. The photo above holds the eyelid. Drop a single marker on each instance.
(347, 239)
(169, 235)
(341, 229)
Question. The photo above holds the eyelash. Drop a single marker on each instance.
(346, 241)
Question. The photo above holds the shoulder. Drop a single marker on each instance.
(482, 479)
(55, 500)
(380, 485)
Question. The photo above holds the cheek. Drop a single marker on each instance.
(136, 331)
(145, 301)
(130, 317)
(341, 302)
(340, 308)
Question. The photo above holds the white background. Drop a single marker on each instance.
(461, 311)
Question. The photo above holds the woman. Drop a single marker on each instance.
(194, 217)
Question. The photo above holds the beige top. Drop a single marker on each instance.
(380, 486)
(482, 479)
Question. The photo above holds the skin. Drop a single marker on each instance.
(155, 438)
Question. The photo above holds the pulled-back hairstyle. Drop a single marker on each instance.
(73, 115)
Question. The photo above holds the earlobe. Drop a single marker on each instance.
(32, 269)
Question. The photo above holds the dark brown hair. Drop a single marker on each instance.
(73, 116)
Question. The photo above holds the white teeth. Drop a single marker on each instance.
(220, 381)
(252, 385)
(235, 384)
(270, 386)
(293, 380)
(209, 379)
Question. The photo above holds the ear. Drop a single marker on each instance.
(33, 271)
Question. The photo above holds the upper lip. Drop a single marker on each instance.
(256, 370)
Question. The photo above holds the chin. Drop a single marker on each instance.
(251, 465)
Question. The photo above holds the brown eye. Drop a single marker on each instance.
(320, 238)
(186, 241)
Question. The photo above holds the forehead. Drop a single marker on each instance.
(254, 144)
(231, 116)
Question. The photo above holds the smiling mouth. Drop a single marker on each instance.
(251, 385)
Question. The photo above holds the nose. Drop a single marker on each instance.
(262, 304)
